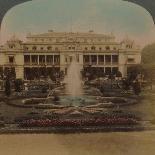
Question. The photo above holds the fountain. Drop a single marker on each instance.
(74, 92)
(73, 79)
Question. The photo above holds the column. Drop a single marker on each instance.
(97, 59)
(38, 59)
(90, 62)
(104, 62)
(30, 59)
(53, 60)
(45, 59)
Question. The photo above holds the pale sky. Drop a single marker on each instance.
(102, 16)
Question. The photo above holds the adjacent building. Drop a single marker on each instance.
(43, 54)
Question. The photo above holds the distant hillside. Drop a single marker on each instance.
(148, 55)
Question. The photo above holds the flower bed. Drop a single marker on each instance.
(77, 122)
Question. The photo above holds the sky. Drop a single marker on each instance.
(103, 16)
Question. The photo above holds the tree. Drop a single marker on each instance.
(7, 87)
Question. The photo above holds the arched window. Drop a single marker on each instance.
(26, 48)
(34, 48)
(107, 47)
(100, 48)
(41, 48)
(49, 48)
(86, 48)
(93, 48)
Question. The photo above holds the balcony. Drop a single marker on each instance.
(27, 63)
(86, 63)
(49, 63)
(114, 63)
(42, 63)
(108, 63)
(101, 63)
(56, 63)
(34, 63)
(93, 63)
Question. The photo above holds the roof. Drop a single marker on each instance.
(69, 34)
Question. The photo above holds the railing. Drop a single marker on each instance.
(94, 63)
(34, 63)
(42, 63)
(86, 63)
(107, 63)
(101, 63)
(49, 63)
(56, 63)
(114, 63)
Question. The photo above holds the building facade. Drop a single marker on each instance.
(43, 54)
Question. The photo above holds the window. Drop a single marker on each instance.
(115, 58)
(128, 46)
(107, 47)
(26, 48)
(56, 59)
(94, 59)
(34, 48)
(41, 48)
(66, 60)
(101, 59)
(34, 59)
(108, 59)
(49, 59)
(100, 48)
(49, 48)
(93, 48)
(86, 48)
(131, 60)
(26, 58)
(41, 59)
(11, 59)
(86, 58)
(12, 46)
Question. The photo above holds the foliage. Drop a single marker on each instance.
(148, 63)
(148, 54)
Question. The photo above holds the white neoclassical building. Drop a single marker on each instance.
(53, 51)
